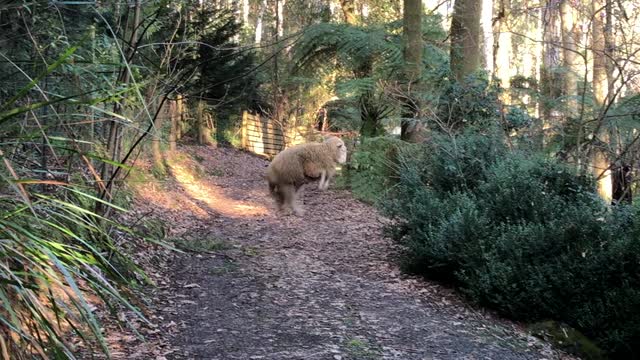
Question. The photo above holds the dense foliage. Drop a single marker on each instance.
(521, 233)
(371, 171)
(83, 85)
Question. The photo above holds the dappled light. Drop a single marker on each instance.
(284, 179)
(213, 196)
(192, 190)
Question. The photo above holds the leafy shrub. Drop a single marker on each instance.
(471, 102)
(517, 118)
(371, 171)
(523, 234)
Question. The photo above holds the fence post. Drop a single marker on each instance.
(244, 129)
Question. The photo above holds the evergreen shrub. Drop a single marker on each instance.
(521, 233)
(370, 172)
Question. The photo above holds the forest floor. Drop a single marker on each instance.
(259, 285)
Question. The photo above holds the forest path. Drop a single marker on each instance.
(322, 286)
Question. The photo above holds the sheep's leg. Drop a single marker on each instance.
(297, 209)
(323, 178)
(288, 193)
(326, 176)
(276, 193)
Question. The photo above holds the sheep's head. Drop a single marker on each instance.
(340, 149)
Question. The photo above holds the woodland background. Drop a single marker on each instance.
(501, 136)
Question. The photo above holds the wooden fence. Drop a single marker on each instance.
(264, 137)
(261, 136)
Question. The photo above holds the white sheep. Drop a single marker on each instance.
(301, 164)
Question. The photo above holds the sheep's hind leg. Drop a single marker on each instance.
(289, 198)
(276, 194)
(297, 195)
(324, 181)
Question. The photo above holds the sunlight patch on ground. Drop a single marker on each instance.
(213, 196)
(170, 200)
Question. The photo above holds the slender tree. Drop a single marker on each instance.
(570, 55)
(466, 52)
(504, 49)
(413, 48)
(259, 21)
(348, 11)
(487, 35)
(114, 140)
(600, 85)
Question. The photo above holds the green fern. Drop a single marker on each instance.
(366, 60)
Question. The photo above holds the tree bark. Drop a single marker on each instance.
(413, 47)
(259, 29)
(173, 131)
(280, 18)
(245, 12)
(465, 38)
(569, 50)
(504, 49)
(550, 81)
(204, 129)
(156, 143)
(349, 11)
(487, 35)
(600, 84)
(114, 141)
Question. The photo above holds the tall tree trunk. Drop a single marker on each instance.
(181, 117)
(259, 28)
(549, 79)
(487, 35)
(623, 174)
(277, 95)
(504, 50)
(245, 12)
(280, 18)
(465, 38)
(413, 47)
(173, 131)
(569, 49)
(156, 143)
(600, 84)
(349, 11)
(114, 142)
(204, 129)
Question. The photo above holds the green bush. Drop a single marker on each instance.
(370, 171)
(523, 234)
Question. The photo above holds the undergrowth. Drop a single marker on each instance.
(521, 233)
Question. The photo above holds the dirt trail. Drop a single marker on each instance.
(323, 286)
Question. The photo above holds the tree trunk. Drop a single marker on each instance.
(504, 49)
(600, 84)
(173, 132)
(550, 81)
(465, 38)
(114, 141)
(569, 49)
(280, 18)
(245, 12)
(203, 127)
(487, 35)
(259, 29)
(413, 47)
(181, 117)
(349, 11)
(156, 143)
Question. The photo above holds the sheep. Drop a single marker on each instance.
(300, 164)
